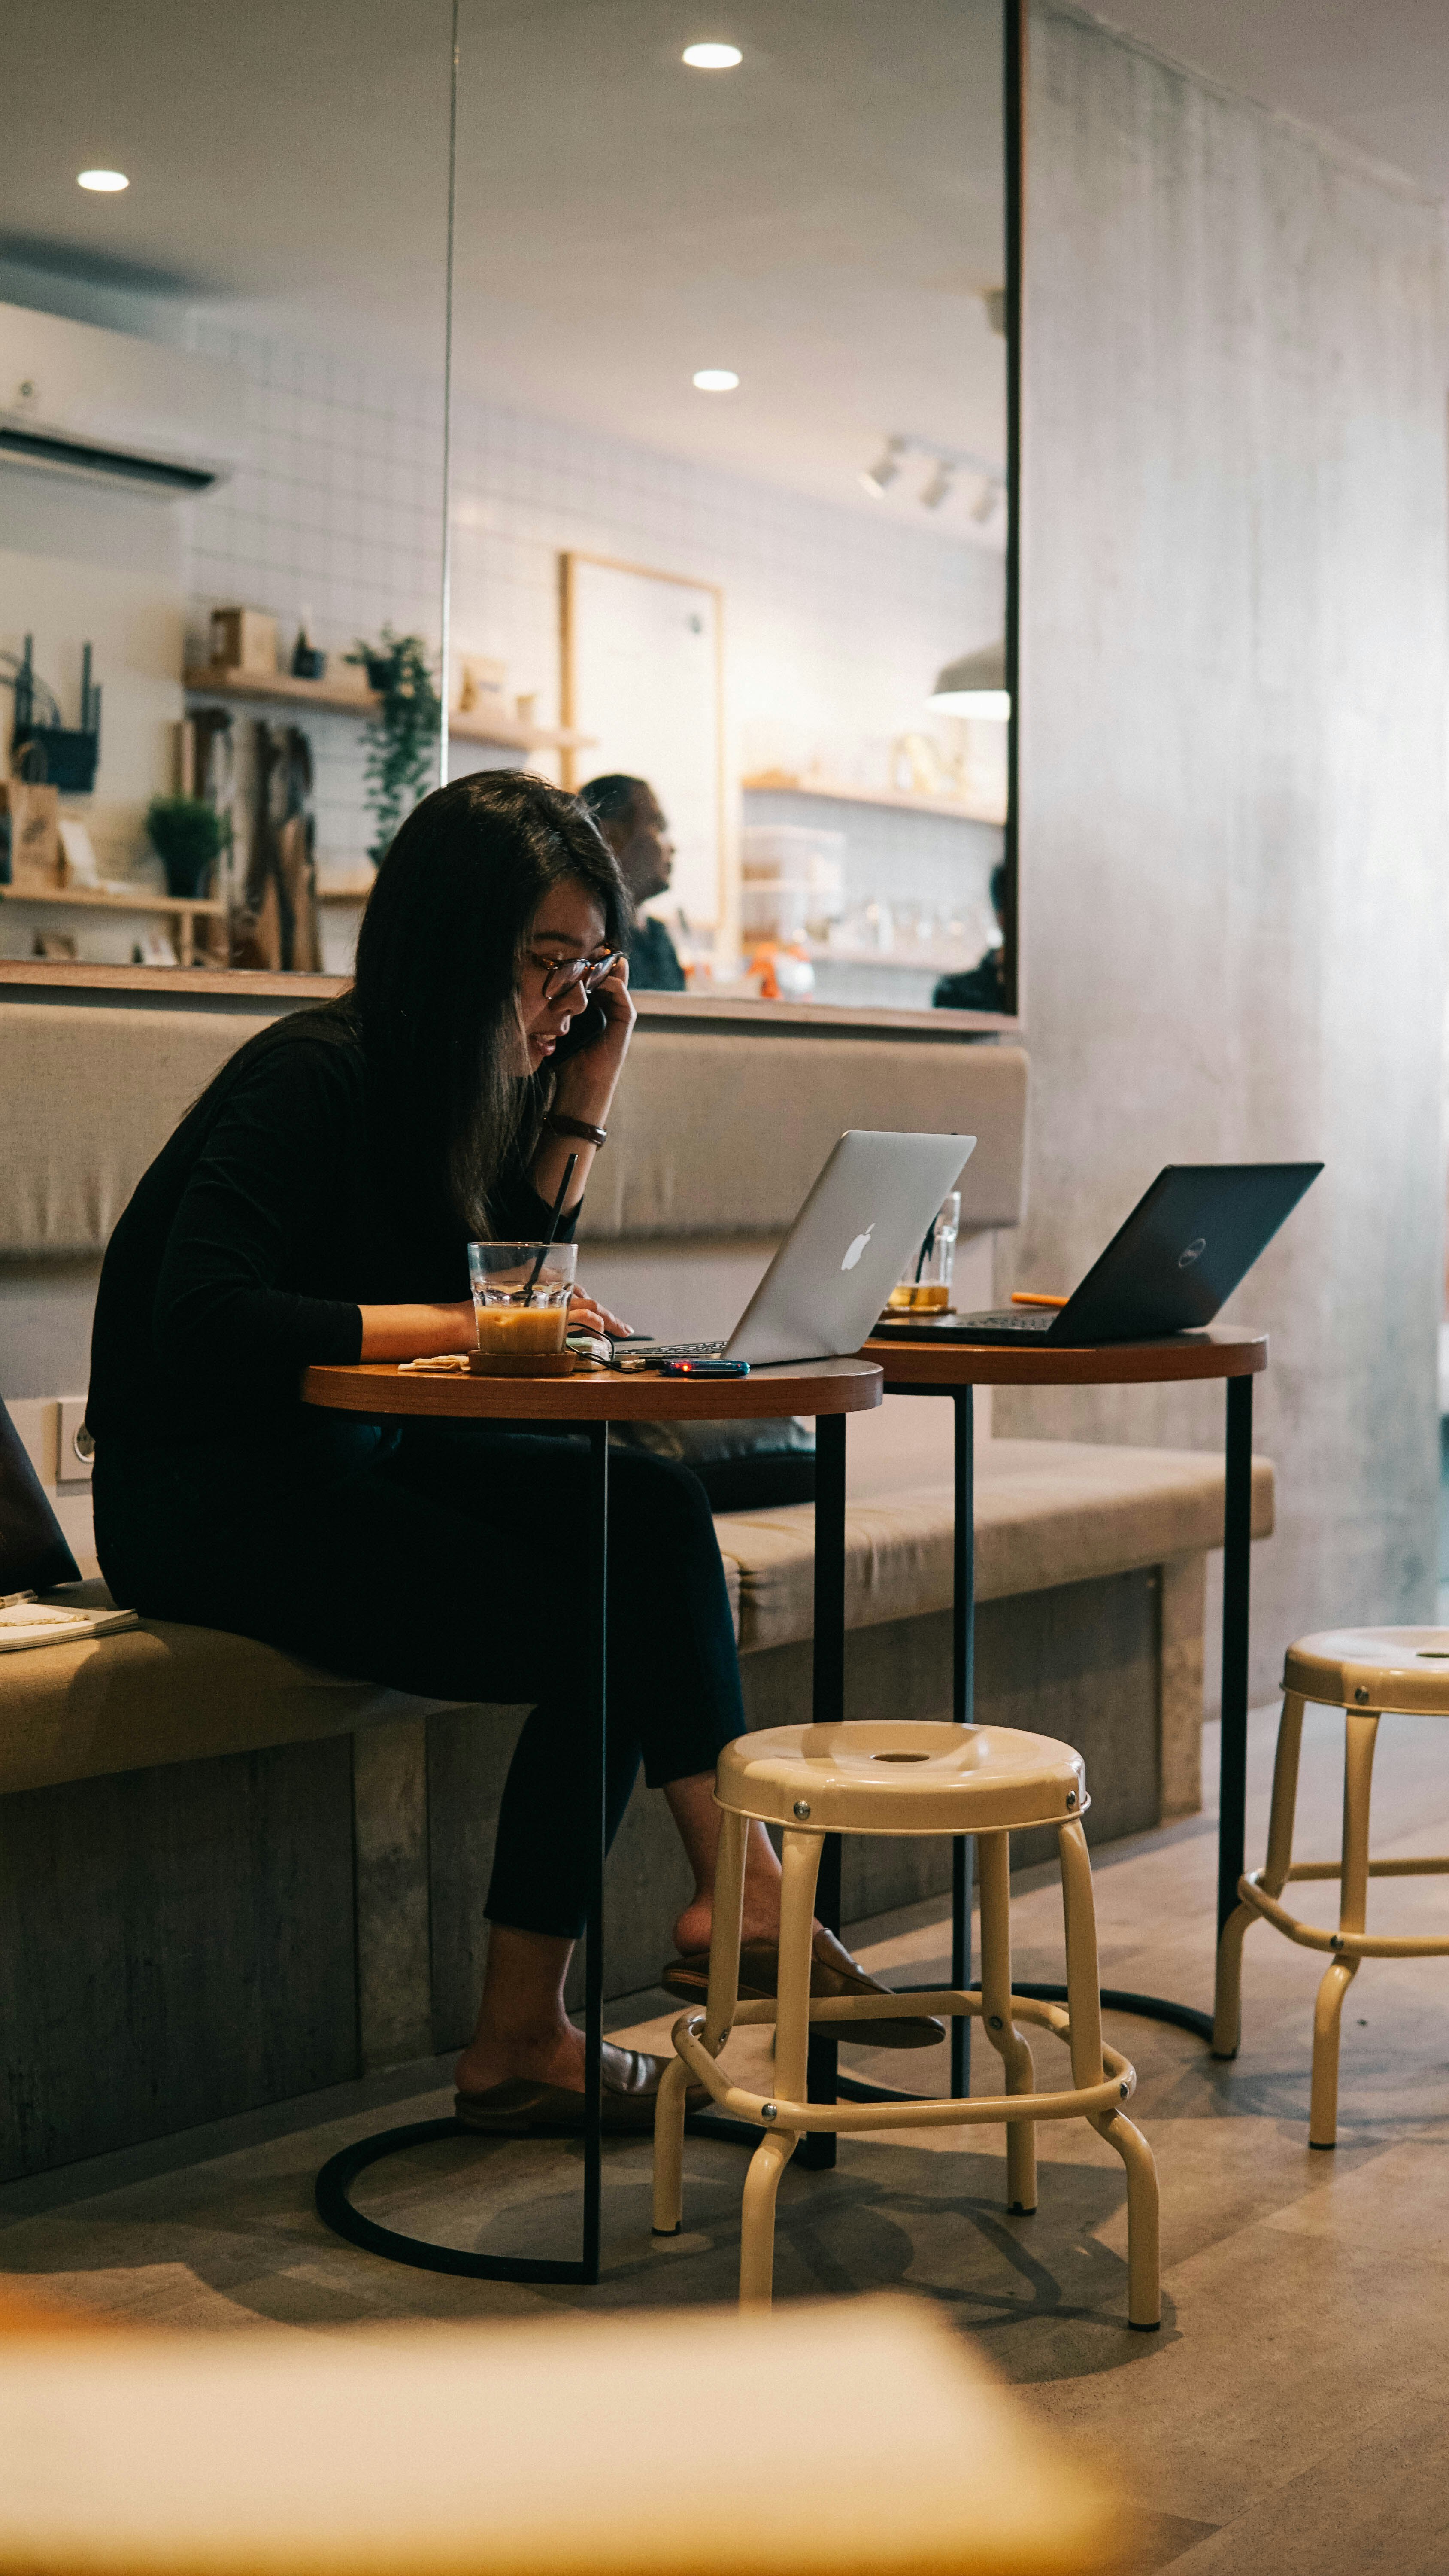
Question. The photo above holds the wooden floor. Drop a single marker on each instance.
(1293, 2405)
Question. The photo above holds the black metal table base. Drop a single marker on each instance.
(336, 2209)
(334, 2182)
(1233, 1761)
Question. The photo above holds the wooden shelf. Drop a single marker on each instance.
(105, 899)
(237, 987)
(903, 958)
(278, 688)
(834, 791)
(184, 910)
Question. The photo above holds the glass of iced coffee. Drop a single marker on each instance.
(521, 1295)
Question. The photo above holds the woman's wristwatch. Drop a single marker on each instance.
(566, 1126)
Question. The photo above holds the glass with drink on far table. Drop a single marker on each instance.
(925, 1283)
(521, 1295)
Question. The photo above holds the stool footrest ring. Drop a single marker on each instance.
(1339, 1945)
(1118, 2085)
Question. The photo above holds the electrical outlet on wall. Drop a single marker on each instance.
(75, 1449)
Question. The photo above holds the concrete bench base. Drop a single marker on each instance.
(200, 1938)
(182, 1938)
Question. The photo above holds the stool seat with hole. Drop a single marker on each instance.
(902, 1777)
(1366, 1672)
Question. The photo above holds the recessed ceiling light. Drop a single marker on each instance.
(711, 58)
(105, 183)
(714, 380)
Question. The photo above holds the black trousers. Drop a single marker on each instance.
(449, 1560)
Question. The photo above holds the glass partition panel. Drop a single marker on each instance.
(730, 509)
(222, 342)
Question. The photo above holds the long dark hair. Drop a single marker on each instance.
(435, 995)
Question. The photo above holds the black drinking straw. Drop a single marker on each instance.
(563, 1190)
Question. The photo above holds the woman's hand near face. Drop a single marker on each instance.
(586, 1083)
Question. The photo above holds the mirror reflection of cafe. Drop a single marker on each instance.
(727, 474)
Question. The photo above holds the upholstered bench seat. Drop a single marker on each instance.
(165, 1692)
(1048, 1512)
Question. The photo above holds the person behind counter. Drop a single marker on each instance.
(981, 987)
(316, 1204)
(628, 813)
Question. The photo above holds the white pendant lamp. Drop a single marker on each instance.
(974, 686)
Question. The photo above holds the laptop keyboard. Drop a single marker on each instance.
(1017, 1319)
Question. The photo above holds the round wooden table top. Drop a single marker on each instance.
(1221, 1350)
(598, 1395)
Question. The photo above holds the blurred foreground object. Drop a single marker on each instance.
(859, 2439)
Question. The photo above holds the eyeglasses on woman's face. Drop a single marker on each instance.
(567, 976)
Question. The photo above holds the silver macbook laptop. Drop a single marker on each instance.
(864, 1219)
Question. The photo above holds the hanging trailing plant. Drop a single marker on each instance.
(402, 739)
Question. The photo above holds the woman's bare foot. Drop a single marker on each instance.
(760, 1914)
(541, 2057)
(523, 2029)
(692, 1804)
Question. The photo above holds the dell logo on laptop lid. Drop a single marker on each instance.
(1193, 1253)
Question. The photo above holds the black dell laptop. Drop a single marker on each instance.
(1169, 1269)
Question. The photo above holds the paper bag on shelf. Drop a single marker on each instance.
(244, 639)
(483, 685)
(34, 818)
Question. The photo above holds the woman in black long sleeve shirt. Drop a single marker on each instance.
(316, 1205)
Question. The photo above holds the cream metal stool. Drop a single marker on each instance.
(1363, 1671)
(902, 1777)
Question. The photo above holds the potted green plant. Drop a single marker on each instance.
(188, 836)
(401, 742)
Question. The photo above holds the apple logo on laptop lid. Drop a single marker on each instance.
(857, 1248)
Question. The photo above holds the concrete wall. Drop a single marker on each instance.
(1233, 809)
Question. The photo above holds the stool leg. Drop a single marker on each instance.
(1228, 2007)
(800, 1862)
(994, 1866)
(1084, 2007)
(1360, 1736)
(757, 2221)
(724, 1980)
(1144, 2260)
(724, 1946)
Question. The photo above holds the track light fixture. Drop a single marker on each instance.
(944, 465)
(878, 478)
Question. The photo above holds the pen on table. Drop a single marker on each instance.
(1029, 1297)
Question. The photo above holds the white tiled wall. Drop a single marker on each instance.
(835, 621)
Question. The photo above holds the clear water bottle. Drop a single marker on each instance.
(925, 1283)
